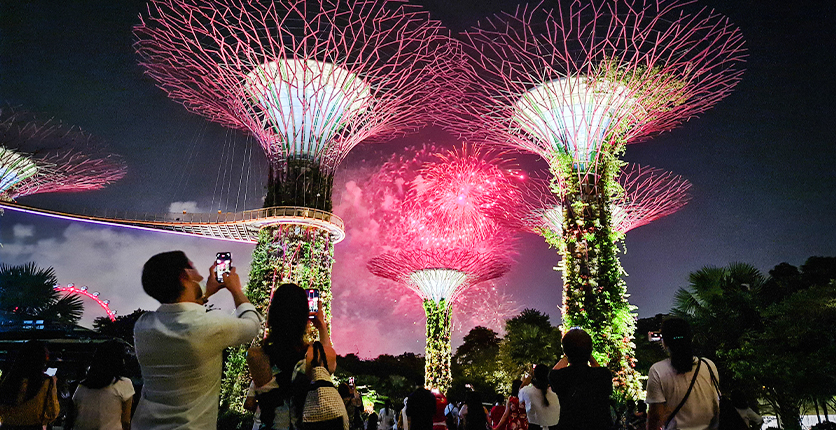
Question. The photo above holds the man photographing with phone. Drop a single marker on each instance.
(179, 346)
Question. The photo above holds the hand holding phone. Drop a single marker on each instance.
(313, 303)
(51, 371)
(223, 264)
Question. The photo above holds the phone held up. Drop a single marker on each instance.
(223, 264)
(313, 303)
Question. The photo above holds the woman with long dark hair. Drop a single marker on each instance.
(104, 397)
(514, 417)
(541, 403)
(680, 393)
(283, 367)
(28, 397)
(473, 412)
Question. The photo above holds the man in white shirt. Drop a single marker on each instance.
(180, 345)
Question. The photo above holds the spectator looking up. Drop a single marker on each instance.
(541, 404)
(583, 387)
(180, 345)
(104, 397)
(668, 382)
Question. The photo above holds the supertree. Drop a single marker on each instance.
(310, 80)
(575, 84)
(648, 194)
(47, 156)
(468, 191)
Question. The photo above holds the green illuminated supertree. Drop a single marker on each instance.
(575, 84)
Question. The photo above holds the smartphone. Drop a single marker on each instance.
(350, 381)
(51, 371)
(223, 264)
(313, 302)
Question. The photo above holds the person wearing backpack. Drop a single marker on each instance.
(292, 377)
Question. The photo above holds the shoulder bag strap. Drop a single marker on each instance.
(688, 393)
(714, 381)
(47, 399)
(319, 352)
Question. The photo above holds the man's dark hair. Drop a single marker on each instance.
(577, 344)
(421, 408)
(161, 276)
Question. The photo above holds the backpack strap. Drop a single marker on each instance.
(688, 393)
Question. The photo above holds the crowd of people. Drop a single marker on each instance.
(180, 352)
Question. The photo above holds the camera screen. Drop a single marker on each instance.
(223, 264)
(313, 301)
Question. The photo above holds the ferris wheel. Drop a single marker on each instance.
(83, 291)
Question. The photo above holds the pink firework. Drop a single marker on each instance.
(464, 196)
(484, 305)
(581, 79)
(649, 194)
(310, 80)
(48, 157)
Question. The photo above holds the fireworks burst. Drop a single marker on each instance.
(464, 196)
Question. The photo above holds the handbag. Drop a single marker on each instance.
(41, 409)
(688, 393)
(729, 418)
(324, 408)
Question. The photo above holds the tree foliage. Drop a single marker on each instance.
(122, 327)
(529, 339)
(27, 292)
(475, 363)
(775, 337)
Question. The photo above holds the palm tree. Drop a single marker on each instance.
(27, 292)
(721, 303)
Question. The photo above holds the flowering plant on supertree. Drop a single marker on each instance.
(575, 84)
(467, 189)
(39, 156)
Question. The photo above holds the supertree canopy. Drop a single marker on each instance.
(649, 194)
(472, 192)
(47, 157)
(575, 84)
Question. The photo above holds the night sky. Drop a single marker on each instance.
(761, 164)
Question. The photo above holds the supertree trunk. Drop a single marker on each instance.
(438, 350)
(299, 182)
(300, 254)
(594, 293)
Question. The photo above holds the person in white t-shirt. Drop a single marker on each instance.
(104, 397)
(668, 382)
(541, 403)
(386, 417)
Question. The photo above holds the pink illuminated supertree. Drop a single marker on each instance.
(309, 80)
(575, 84)
(466, 189)
(48, 157)
(649, 194)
